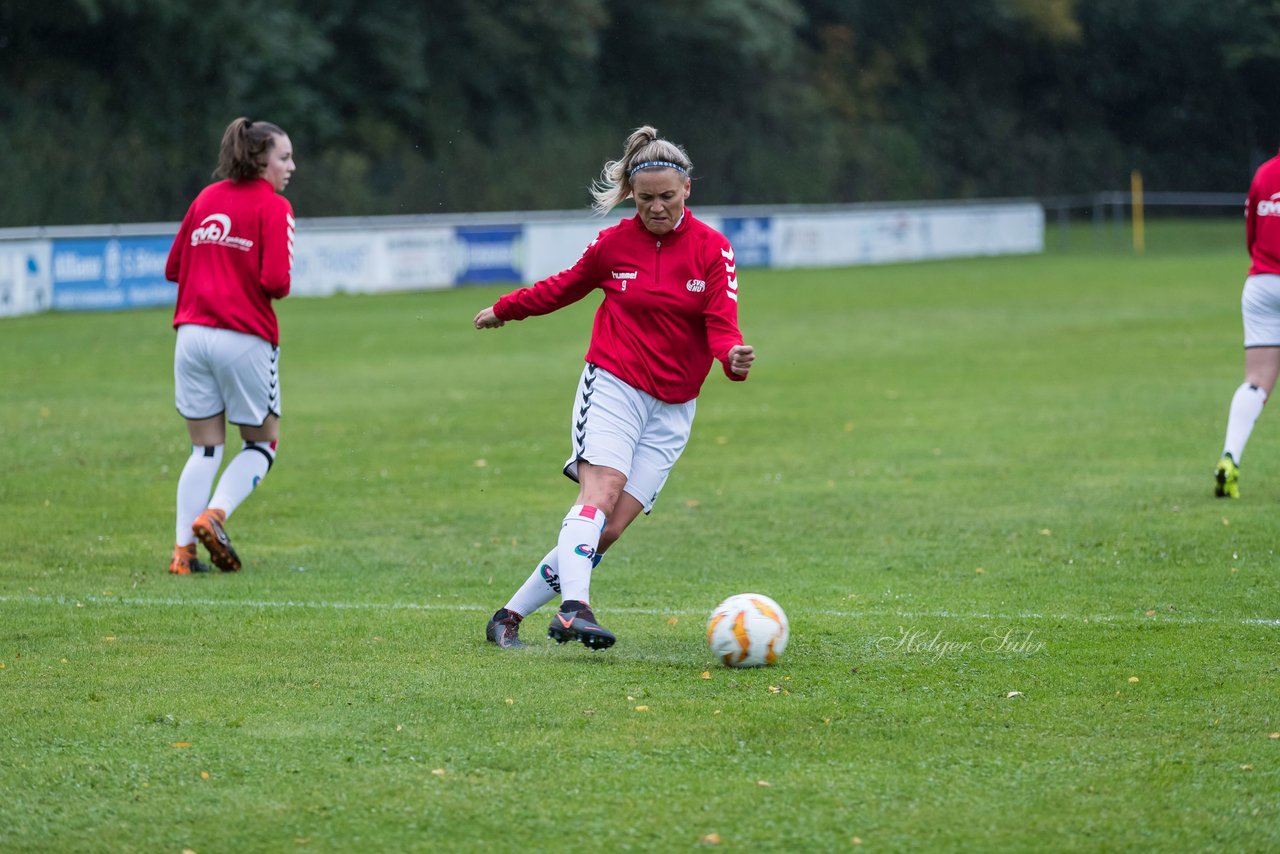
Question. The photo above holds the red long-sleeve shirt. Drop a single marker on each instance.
(670, 304)
(233, 256)
(1262, 219)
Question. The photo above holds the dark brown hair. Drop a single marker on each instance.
(244, 149)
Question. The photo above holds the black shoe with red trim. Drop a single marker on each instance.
(504, 629)
(574, 621)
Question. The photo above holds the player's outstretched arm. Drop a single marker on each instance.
(486, 319)
(740, 358)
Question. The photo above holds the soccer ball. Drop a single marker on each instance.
(748, 630)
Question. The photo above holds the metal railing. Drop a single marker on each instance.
(1111, 208)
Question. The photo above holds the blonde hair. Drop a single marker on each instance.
(244, 149)
(644, 149)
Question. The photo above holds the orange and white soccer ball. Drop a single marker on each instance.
(748, 630)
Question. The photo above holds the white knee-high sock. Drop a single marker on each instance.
(1246, 406)
(575, 548)
(541, 586)
(243, 474)
(538, 589)
(194, 485)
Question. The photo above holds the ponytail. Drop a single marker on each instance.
(644, 149)
(245, 144)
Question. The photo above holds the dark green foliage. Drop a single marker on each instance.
(111, 110)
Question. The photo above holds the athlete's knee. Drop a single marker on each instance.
(267, 449)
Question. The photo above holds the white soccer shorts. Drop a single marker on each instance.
(619, 426)
(1260, 308)
(219, 370)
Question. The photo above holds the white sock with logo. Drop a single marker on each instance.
(243, 475)
(538, 589)
(576, 548)
(542, 586)
(194, 485)
(1246, 406)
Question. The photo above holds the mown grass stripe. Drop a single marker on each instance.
(672, 612)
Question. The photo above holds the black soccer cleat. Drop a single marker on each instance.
(504, 629)
(574, 621)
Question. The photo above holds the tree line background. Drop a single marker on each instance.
(112, 110)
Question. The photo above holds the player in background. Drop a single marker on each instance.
(670, 310)
(233, 255)
(1260, 307)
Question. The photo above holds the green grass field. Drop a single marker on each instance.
(981, 489)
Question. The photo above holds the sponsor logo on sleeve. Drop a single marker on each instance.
(1269, 207)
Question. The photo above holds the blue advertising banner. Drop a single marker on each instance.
(91, 274)
(490, 253)
(750, 237)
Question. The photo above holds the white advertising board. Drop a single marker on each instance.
(26, 277)
(88, 268)
(372, 260)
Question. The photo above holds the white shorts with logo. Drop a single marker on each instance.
(219, 370)
(619, 426)
(1260, 308)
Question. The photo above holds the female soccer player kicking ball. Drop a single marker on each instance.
(670, 310)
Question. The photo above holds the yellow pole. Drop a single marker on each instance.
(1139, 230)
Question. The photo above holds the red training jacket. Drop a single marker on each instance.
(1262, 219)
(233, 256)
(670, 304)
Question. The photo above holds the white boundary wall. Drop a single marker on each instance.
(122, 266)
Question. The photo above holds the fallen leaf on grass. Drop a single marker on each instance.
(857, 840)
(439, 772)
(706, 674)
(764, 784)
(1013, 694)
(710, 839)
(1274, 735)
(774, 689)
(1134, 680)
(204, 775)
(182, 744)
(672, 621)
(642, 708)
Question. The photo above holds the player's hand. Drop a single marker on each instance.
(486, 319)
(740, 358)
